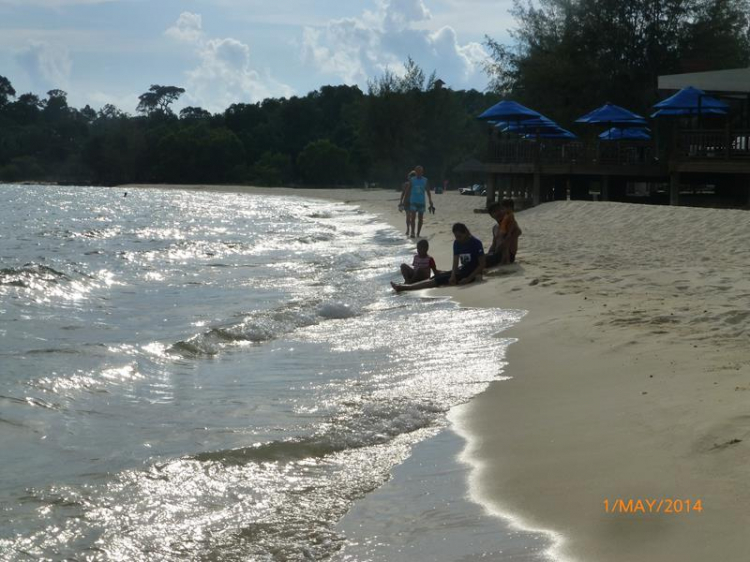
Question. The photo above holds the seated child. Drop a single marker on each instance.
(421, 265)
(468, 263)
(504, 234)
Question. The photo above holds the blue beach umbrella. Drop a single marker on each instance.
(509, 111)
(690, 101)
(687, 112)
(540, 124)
(613, 114)
(630, 133)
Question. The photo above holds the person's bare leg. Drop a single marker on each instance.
(429, 283)
(408, 273)
(412, 216)
(419, 228)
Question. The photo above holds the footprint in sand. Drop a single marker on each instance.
(725, 444)
(736, 317)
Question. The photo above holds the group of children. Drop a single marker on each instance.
(469, 259)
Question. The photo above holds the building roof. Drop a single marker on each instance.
(734, 80)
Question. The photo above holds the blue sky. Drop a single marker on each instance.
(228, 51)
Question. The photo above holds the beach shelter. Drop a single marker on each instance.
(613, 114)
(687, 112)
(629, 133)
(537, 124)
(691, 101)
(509, 111)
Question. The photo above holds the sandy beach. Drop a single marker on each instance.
(630, 377)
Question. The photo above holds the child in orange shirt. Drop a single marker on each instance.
(504, 234)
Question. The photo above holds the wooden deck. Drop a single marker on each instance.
(709, 156)
(716, 149)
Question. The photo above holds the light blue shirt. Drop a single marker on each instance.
(418, 187)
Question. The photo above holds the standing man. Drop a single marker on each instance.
(419, 186)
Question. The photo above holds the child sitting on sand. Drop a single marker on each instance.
(421, 265)
(504, 234)
(468, 263)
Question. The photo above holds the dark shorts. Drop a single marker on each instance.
(445, 277)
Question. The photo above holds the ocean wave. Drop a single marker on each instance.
(32, 401)
(259, 327)
(262, 327)
(335, 309)
(30, 274)
(317, 237)
(375, 424)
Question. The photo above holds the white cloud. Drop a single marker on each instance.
(47, 65)
(357, 49)
(224, 74)
(401, 14)
(188, 27)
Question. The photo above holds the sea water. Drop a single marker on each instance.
(190, 375)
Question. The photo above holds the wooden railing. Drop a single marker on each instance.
(687, 145)
(514, 151)
(714, 145)
(554, 151)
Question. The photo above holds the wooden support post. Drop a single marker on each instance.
(605, 188)
(674, 188)
(536, 189)
(491, 189)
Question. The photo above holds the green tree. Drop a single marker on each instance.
(717, 37)
(116, 151)
(88, 114)
(6, 91)
(55, 107)
(272, 169)
(158, 99)
(198, 153)
(194, 113)
(109, 111)
(322, 162)
(26, 109)
(571, 55)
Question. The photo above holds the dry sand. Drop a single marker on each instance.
(631, 374)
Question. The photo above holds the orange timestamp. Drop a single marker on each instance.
(653, 505)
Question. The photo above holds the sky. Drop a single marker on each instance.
(238, 51)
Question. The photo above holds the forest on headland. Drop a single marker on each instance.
(567, 57)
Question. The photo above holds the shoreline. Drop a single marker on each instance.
(629, 376)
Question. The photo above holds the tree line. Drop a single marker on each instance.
(567, 57)
(336, 135)
(571, 56)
